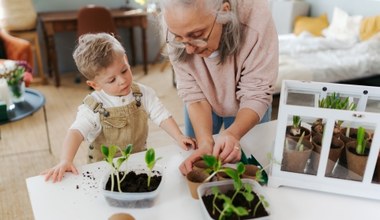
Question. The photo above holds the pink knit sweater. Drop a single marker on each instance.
(245, 80)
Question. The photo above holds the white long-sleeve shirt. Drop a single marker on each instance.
(88, 123)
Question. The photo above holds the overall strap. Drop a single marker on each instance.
(95, 106)
(137, 94)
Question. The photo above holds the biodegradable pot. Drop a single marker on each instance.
(351, 137)
(295, 161)
(356, 163)
(226, 187)
(135, 193)
(296, 137)
(336, 149)
(195, 178)
(199, 164)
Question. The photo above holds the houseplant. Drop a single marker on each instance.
(18, 75)
(295, 130)
(233, 199)
(136, 187)
(357, 155)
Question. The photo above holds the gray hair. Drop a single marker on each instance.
(95, 52)
(231, 35)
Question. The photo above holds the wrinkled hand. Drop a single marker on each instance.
(187, 143)
(227, 148)
(56, 173)
(187, 165)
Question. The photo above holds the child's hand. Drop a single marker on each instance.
(56, 173)
(187, 143)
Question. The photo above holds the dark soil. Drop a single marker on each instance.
(238, 201)
(136, 182)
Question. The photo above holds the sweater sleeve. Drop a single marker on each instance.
(259, 58)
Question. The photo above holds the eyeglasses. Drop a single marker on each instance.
(200, 42)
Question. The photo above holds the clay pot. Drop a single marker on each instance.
(295, 161)
(336, 148)
(296, 138)
(194, 179)
(356, 164)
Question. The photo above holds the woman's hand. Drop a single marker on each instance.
(56, 173)
(227, 148)
(202, 149)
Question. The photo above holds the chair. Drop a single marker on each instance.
(94, 19)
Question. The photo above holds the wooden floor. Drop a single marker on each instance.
(24, 144)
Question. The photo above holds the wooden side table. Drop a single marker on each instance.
(34, 100)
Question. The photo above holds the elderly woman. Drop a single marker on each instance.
(225, 57)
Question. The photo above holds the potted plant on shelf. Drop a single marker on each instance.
(295, 130)
(296, 154)
(233, 198)
(357, 155)
(136, 187)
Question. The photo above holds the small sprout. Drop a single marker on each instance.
(109, 154)
(361, 142)
(150, 160)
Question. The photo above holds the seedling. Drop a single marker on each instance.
(214, 166)
(150, 160)
(109, 153)
(239, 188)
(361, 142)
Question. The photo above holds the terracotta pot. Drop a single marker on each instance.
(194, 179)
(295, 161)
(336, 149)
(296, 138)
(356, 163)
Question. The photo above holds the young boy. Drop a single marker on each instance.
(117, 112)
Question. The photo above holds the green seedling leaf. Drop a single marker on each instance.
(360, 147)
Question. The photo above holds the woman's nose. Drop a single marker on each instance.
(190, 49)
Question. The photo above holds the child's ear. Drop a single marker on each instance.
(93, 85)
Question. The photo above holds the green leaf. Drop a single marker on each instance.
(209, 160)
(149, 158)
(240, 168)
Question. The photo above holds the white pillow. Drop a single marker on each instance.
(343, 27)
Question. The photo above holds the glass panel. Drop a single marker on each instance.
(352, 159)
(297, 146)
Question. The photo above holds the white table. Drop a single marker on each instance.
(79, 197)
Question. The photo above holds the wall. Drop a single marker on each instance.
(353, 7)
(65, 42)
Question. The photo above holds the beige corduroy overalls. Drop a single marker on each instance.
(120, 125)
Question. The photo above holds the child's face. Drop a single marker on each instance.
(115, 80)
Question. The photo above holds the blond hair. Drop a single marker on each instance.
(95, 52)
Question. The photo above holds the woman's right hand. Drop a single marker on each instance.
(56, 173)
